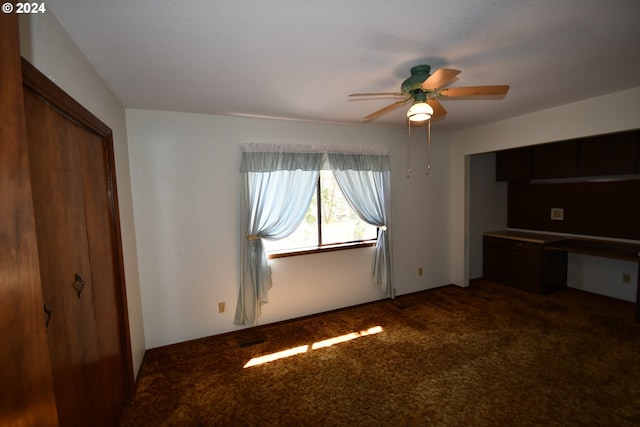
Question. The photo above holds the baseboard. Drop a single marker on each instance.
(251, 333)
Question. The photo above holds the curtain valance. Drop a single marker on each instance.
(359, 162)
(273, 157)
(271, 161)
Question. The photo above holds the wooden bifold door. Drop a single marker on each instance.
(77, 230)
(65, 355)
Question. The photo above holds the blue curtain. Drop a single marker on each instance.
(365, 181)
(278, 184)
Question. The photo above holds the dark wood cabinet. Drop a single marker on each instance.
(556, 160)
(637, 151)
(615, 154)
(524, 264)
(601, 155)
(514, 164)
(495, 261)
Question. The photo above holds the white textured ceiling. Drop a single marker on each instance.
(299, 59)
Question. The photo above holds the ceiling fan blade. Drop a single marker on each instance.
(385, 110)
(474, 91)
(438, 109)
(377, 94)
(373, 98)
(439, 78)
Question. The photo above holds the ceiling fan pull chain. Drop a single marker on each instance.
(409, 149)
(428, 147)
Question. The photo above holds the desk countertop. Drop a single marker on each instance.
(585, 246)
(600, 248)
(525, 236)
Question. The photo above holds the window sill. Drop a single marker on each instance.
(320, 249)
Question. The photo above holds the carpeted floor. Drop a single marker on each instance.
(487, 355)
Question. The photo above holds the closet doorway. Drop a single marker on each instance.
(79, 250)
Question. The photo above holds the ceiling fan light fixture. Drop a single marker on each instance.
(419, 112)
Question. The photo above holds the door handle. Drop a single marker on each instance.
(48, 313)
(78, 285)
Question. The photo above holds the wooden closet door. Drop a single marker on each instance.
(63, 250)
(26, 386)
(76, 212)
(109, 308)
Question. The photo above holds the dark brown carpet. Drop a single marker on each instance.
(487, 355)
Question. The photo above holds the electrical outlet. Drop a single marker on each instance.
(419, 271)
(557, 214)
(221, 307)
(626, 278)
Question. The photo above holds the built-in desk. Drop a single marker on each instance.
(499, 258)
(602, 248)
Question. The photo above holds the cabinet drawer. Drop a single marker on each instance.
(525, 254)
(497, 248)
(496, 243)
(521, 248)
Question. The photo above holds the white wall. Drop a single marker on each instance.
(611, 113)
(603, 276)
(487, 206)
(46, 45)
(186, 187)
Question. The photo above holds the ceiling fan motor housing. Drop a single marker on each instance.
(412, 85)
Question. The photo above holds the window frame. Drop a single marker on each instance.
(320, 248)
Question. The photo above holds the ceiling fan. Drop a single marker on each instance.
(425, 90)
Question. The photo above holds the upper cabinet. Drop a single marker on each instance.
(615, 154)
(557, 160)
(602, 155)
(514, 164)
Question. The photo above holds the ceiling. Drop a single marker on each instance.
(297, 59)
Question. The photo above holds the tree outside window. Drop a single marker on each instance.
(329, 221)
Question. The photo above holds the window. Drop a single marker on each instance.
(329, 223)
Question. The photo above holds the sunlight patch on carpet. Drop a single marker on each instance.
(315, 346)
(345, 338)
(275, 356)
